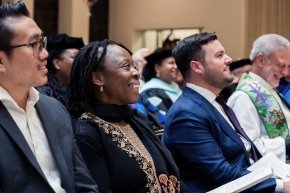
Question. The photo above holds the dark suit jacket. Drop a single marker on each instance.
(19, 169)
(207, 150)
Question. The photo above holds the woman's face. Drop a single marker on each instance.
(167, 70)
(63, 65)
(120, 77)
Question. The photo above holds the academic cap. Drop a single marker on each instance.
(63, 41)
(240, 63)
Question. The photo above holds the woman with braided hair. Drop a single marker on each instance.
(117, 143)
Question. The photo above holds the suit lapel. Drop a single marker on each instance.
(227, 128)
(50, 125)
(14, 132)
(233, 134)
(215, 115)
(283, 99)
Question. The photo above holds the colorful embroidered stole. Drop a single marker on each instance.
(267, 106)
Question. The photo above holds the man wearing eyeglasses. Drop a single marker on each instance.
(37, 150)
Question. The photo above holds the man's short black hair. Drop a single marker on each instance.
(9, 10)
(190, 48)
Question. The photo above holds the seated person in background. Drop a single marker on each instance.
(284, 87)
(118, 145)
(62, 50)
(160, 89)
(139, 59)
(202, 133)
(263, 114)
(237, 67)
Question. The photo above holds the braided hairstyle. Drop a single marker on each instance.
(89, 59)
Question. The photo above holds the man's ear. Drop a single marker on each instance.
(260, 58)
(197, 67)
(97, 79)
(3, 61)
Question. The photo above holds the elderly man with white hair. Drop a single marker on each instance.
(260, 109)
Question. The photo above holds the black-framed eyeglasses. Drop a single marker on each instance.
(37, 46)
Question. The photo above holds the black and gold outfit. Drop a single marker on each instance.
(127, 158)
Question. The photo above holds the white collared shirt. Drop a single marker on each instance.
(32, 129)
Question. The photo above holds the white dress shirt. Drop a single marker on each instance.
(210, 96)
(31, 127)
(250, 121)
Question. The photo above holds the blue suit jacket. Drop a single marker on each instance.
(207, 150)
(19, 169)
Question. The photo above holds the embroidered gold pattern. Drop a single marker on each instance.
(128, 141)
(171, 185)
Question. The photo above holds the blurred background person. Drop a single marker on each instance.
(160, 90)
(118, 145)
(139, 58)
(62, 50)
(237, 67)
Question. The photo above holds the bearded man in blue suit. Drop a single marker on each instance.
(207, 144)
